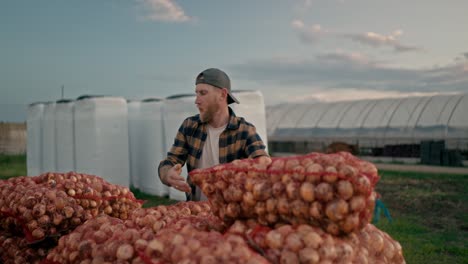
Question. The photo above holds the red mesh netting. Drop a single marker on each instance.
(332, 191)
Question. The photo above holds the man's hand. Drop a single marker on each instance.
(174, 179)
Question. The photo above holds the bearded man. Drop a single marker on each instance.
(214, 136)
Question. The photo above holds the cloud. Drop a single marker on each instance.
(163, 10)
(378, 40)
(351, 71)
(312, 34)
(307, 34)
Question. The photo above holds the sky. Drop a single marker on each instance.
(290, 50)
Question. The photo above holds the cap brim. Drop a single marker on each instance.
(231, 99)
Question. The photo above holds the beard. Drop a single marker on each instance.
(209, 113)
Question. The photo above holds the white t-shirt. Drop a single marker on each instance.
(210, 154)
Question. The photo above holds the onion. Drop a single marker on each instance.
(316, 211)
(336, 209)
(271, 205)
(298, 173)
(292, 190)
(324, 192)
(309, 255)
(283, 206)
(277, 165)
(328, 251)
(330, 175)
(38, 233)
(345, 189)
(363, 185)
(293, 242)
(261, 191)
(312, 240)
(291, 164)
(233, 210)
(350, 223)
(248, 199)
(300, 209)
(154, 246)
(376, 242)
(288, 257)
(333, 228)
(357, 203)
(278, 189)
(307, 192)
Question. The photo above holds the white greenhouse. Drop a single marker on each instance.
(433, 128)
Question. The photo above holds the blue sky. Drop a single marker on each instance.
(291, 50)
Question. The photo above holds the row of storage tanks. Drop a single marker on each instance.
(120, 140)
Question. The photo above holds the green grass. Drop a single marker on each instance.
(151, 200)
(12, 166)
(429, 211)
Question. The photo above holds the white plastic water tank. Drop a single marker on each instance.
(151, 146)
(134, 130)
(176, 109)
(35, 115)
(101, 138)
(252, 108)
(48, 138)
(64, 135)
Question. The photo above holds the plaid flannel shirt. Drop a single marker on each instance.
(238, 141)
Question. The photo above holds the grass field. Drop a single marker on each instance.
(12, 166)
(429, 211)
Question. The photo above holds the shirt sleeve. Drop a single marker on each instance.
(178, 152)
(254, 146)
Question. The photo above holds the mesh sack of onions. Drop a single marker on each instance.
(18, 250)
(189, 245)
(37, 212)
(332, 191)
(93, 193)
(156, 218)
(53, 204)
(108, 239)
(309, 244)
(101, 239)
(201, 223)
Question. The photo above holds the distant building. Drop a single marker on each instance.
(12, 138)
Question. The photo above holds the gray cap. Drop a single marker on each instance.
(217, 78)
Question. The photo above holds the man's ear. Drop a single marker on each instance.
(224, 94)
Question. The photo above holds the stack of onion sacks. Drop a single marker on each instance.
(189, 245)
(331, 191)
(157, 218)
(93, 193)
(308, 244)
(107, 239)
(53, 204)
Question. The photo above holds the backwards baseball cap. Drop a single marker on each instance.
(217, 78)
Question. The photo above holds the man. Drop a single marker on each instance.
(212, 137)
